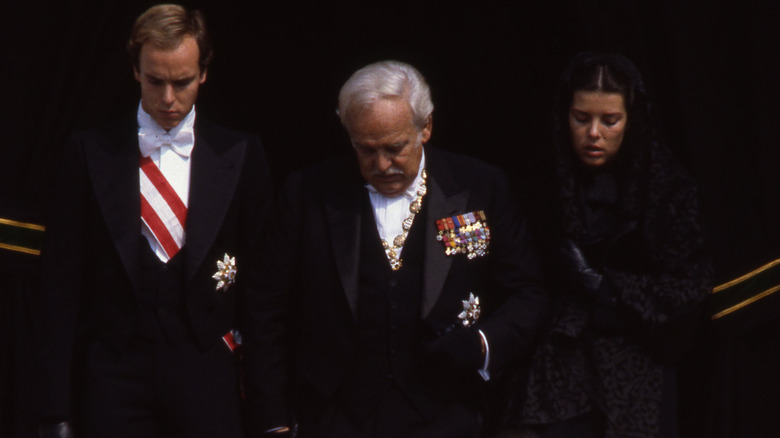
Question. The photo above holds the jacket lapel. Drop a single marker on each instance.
(213, 181)
(343, 213)
(113, 168)
(440, 205)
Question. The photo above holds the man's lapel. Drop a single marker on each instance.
(342, 205)
(443, 200)
(213, 180)
(113, 167)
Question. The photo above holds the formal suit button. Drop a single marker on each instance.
(393, 283)
(393, 328)
(389, 377)
(394, 306)
(393, 352)
(164, 268)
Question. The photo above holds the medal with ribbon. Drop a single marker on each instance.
(466, 233)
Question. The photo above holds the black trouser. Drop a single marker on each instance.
(160, 389)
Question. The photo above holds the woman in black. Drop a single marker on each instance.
(626, 261)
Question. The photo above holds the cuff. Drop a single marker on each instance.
(484, 372)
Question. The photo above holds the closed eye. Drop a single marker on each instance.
(182, 83)
(397, 147)
(580, 117)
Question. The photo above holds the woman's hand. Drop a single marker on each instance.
(574, 263)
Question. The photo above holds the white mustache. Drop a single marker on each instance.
(388, 172)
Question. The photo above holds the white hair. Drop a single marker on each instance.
(384, 80)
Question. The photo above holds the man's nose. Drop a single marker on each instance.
(383, 162)
(168, 96)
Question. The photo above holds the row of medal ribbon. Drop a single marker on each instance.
(466, 233)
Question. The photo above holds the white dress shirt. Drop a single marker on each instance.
(170, 151)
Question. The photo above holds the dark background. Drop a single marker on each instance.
(492, 67)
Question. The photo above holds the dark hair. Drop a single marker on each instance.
(600, 73)
(165, 26)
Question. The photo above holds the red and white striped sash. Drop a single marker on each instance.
(161, 208)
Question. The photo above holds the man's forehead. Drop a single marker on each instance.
(379, 132)
(181, 61)
(184, 45)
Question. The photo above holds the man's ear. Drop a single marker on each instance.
(427, 129)
(203, 77)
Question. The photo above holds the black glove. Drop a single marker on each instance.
(459, 349)
(574, 262)
(62, 429)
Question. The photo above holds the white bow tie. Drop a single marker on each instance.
(181, 143)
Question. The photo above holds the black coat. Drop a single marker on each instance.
(317, 247)
(92, 253)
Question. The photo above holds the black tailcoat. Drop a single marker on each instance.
(318, 263)
(93, 251)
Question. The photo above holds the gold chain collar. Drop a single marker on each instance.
(393, 251)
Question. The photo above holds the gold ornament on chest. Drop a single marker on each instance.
(393, 250)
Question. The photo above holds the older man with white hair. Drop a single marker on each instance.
(412, 282)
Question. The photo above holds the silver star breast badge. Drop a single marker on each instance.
(226, 273)
(470, 314)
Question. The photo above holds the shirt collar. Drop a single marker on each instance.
(147, 124)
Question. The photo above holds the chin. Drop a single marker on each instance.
(601, 163)
(166, 123)
(591, 164)
(389, 191)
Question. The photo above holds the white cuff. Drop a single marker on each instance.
(484, 372)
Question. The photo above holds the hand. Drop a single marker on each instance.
(460, 349)
(62, 429)
(575, 264)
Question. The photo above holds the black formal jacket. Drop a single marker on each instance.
(92, 252)
(317, 247)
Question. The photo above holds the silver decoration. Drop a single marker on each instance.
(470, 314)
(226, 273)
